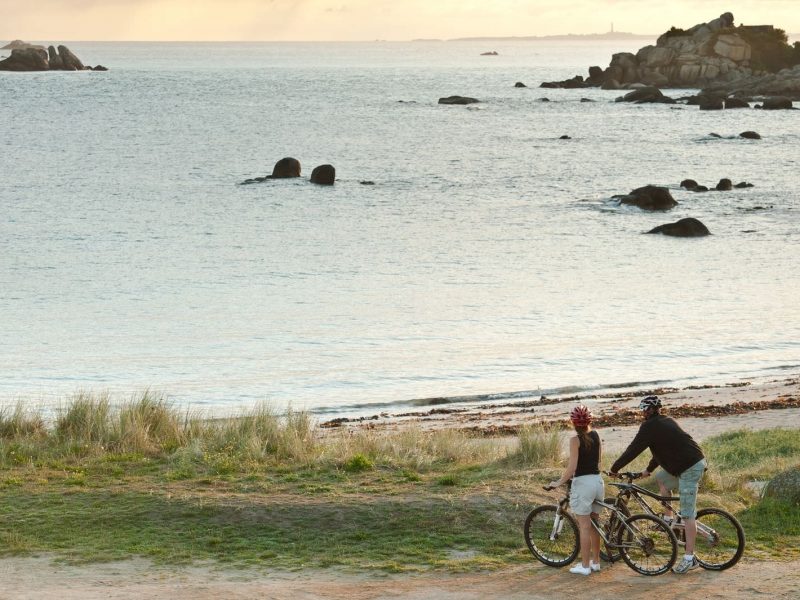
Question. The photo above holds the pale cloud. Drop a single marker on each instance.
(365, 19)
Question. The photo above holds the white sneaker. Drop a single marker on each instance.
(579, 569)
(594, 566)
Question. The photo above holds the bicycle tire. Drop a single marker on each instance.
(726, 547)
(612, 554)
(653, 551)
(557, 552)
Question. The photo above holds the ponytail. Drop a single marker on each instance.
(583, 435)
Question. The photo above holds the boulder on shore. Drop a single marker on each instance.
(785, 486)
(649, 197)
(286, 168)
(323, 175)
(687, 227)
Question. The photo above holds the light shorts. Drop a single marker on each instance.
(585, 490)
(686, 484)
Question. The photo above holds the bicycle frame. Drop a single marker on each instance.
(631, 490)
(604, 532)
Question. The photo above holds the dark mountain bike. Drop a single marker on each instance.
(720, 538)
(645, 542)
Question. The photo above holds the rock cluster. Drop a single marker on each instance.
(716, 56)
(28, 57)
(289, 168)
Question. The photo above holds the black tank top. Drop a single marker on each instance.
(588, 457)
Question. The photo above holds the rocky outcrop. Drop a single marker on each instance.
(719, 56)
(750, 135)
(687, 227)
(785, 83)
(649, 197)
(36, 58)
(323, 175)
(519, 84)
(20, 45)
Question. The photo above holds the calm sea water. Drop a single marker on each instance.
(486, 259)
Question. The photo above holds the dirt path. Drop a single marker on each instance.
(38, 578)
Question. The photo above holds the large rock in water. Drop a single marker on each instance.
(69, 62)
(26, 59)
(785, 486)
(649, 197)
(286, 168)
(323, 175)
(688, 227)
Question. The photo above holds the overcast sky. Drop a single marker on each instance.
(279, 20)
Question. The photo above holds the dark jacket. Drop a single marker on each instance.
(673, 449)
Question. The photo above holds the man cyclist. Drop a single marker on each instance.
(678, 454)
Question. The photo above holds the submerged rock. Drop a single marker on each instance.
(750, 135)
(458, 100)
(687, 227)
(649, 197)
(519, 84)
(689, 184)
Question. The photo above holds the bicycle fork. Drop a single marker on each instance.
(558, 525)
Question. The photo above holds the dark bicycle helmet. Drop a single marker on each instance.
(580, 416)
(650, 402)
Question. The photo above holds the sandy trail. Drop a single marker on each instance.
(38, 578)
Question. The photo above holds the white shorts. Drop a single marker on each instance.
(585, 491)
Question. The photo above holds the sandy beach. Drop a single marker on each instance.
(704, 411)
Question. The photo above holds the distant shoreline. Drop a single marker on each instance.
(547, 38)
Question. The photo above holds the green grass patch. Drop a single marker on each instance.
(108, 483)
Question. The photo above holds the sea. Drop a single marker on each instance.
(465, 254)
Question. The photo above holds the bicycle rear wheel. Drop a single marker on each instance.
(552, 537)
(647, 544)
(720, 539)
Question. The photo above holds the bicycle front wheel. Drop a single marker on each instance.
(720, 539)
(552, 537)
(610, 525)
(647, 544)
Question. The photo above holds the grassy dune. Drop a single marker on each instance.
(104, 482)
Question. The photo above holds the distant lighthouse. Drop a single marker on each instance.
(612, 27)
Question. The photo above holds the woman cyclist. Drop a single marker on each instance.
(583, 467)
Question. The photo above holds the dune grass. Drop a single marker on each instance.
(105, 481)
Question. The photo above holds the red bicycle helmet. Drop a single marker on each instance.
(580, 416)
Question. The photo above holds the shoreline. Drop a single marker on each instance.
(776, 399)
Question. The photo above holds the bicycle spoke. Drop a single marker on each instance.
(720, 539)
(551, 539)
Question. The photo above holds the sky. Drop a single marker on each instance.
(365, 20)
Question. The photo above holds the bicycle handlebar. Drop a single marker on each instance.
(630, 476)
